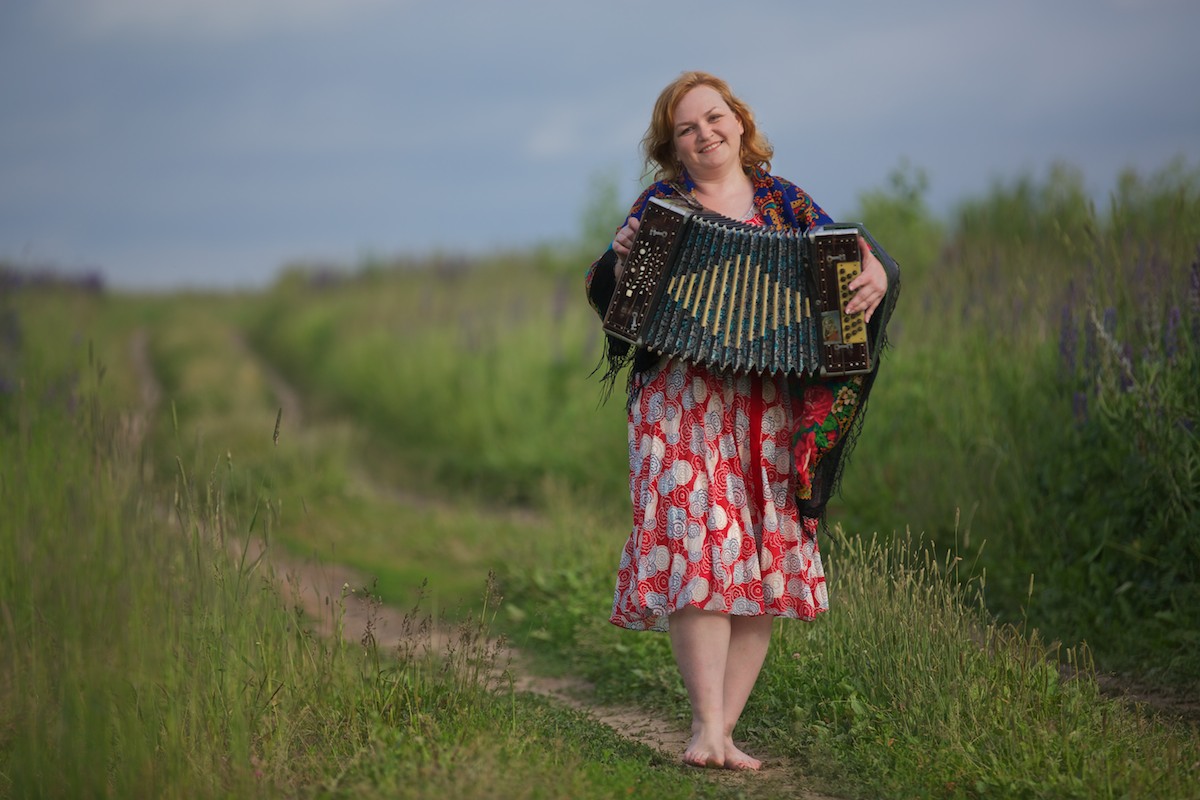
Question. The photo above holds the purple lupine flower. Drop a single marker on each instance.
(1194, 298)
(1067, 339)
(1127, 363)
(1171, 333)
(1195, 287)
(1080, 406)
(1091, 350)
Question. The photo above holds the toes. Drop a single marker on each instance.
(703, 761)
(737, 760)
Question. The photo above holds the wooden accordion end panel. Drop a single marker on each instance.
(836, 261)
(646, 268)
(738, 297)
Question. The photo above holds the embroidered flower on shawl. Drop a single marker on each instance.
(818, 402)
(847, 398)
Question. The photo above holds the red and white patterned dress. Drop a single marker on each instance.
(715, 520)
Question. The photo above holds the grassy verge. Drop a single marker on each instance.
(137, 659)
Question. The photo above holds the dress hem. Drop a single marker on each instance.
(659, 622)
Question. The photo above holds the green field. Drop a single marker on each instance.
(1015, 555)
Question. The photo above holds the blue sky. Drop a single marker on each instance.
(173, 143)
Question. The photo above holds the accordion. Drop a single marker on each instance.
(740, 297)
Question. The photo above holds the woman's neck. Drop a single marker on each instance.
(730, 194)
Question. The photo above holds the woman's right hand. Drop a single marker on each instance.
(622, 243)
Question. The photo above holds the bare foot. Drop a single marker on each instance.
(703, 751)
(736, 759)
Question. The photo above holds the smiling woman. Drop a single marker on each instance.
(729, 472)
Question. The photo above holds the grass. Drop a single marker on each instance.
(137, 658)
(447, 429)
(974, 707)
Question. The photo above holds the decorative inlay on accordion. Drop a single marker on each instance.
(741, 297)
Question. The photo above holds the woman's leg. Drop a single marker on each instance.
(749, 639)
(700, 643)
(719, 657)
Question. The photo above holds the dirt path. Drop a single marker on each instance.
(332, 596)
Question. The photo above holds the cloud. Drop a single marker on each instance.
(203, 20)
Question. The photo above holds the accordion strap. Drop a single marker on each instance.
(686, 195)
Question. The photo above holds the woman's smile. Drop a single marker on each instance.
(708, 134)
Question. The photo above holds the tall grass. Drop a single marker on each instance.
(118, 676)
(1046, 384)
(913, 678)
(138, 658)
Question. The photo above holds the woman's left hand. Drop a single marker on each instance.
(870, 286)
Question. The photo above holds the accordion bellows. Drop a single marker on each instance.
(739, 297)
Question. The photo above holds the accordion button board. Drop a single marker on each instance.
(738, 297)
(836, 261)
(648, 263)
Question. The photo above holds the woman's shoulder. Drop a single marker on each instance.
(804, 209)
(778, 183)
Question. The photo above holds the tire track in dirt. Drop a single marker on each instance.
(333, 597)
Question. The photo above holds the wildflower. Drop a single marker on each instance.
(1067, 339)
(1171, 333)
(1080, 406)
(1194, 294)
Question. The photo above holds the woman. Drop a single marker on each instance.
(729, 473)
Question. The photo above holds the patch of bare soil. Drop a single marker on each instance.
(1175, 704)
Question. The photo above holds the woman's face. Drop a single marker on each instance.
(707, 134)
